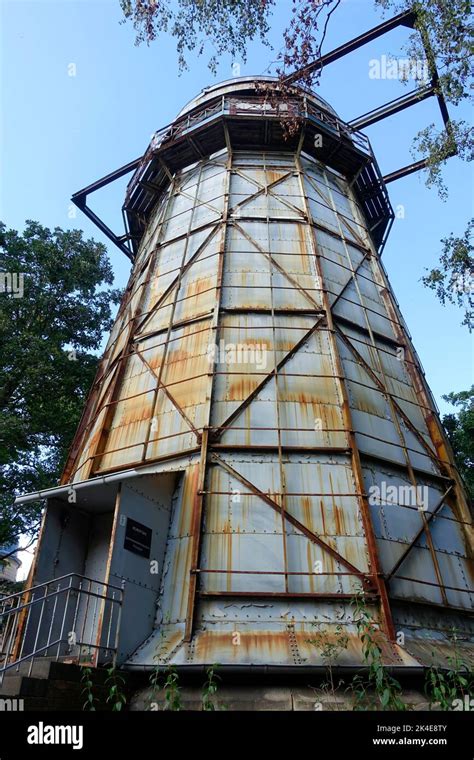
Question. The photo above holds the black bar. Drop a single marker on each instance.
(107, 179)
(411, 168)
(333, 733)
(103, 227)
(407, 18)
(393, 107)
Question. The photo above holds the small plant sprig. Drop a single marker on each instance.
(330, 647)
(378, 681)
(86, 680)
(209, 689)
(155, 681)
(443, 686)
(116, 698)
(156, 675)
(172, 690)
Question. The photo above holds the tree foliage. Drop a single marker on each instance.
(460, 429)
(444, 37)
(444, 34)
(453, 279)
(48, 333)
(304, 38)
(226, 25)
(445, 29)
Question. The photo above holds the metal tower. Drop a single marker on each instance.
(260, 443)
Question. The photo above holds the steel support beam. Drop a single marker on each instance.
(407, 18)
(80, 200)
(422, 530)
(393, 107)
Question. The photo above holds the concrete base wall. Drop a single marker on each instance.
(265, 698)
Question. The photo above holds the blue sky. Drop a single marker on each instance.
(61, 132)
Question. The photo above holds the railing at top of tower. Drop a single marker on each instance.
(73, 617)
(252, 106)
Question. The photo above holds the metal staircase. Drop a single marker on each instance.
(73, 618)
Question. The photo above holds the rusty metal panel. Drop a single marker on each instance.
(266, 634)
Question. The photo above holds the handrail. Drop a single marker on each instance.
(222, 105)
(73, 621)
(50, 595)
(54, 580)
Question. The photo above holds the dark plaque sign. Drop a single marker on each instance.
(137, 538)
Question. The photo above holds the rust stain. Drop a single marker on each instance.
(339, 520)
(305, 260)
(241, 387)
(309, 557)
(229, 560)
(307, 512)
(338, 514)
(201, 285)
(272, 175)
(189, 492)
(273, 644)
(166, 644)
(323, 517)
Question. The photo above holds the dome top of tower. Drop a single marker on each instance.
(246, 85)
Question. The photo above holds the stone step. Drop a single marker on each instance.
(58, 686)
(50, 669)
(39, 669)
(23, 686)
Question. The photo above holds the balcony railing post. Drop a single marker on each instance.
(58, 589)
(74, 620)
(93, 624)
(119, 620)
(85, 617)
(66, 604)
(39, 628)
(11, 639)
